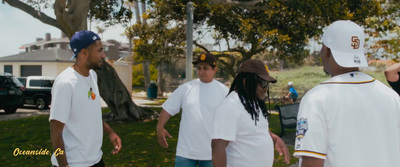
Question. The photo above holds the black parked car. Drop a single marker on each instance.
(11, 93)
(37, 90)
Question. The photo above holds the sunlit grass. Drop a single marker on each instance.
(305, 78)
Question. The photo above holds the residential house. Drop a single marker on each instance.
(49, 57)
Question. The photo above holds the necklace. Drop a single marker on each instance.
(90, 92)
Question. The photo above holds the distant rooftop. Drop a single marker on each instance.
(47, 55)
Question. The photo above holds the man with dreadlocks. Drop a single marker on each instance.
(240, 127)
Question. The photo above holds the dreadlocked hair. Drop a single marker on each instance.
(247, 94)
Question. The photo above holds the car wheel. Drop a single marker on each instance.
(40, 103)
(10, 110)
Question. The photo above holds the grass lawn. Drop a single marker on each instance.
(306, 77)
(139, 143)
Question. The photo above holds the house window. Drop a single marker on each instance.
(31, 70)
(8, 69)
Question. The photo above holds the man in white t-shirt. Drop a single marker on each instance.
(198, 99)
(241, 136)
(76, 126)
(352, 119)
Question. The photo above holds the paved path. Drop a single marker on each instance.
(139, 98)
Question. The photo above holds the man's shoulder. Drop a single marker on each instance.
(67, 76)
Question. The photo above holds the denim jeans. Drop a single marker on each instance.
(185, 162)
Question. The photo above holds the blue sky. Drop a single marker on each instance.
(18, 28)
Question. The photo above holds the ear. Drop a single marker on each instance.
(215, 69)
(328, 52)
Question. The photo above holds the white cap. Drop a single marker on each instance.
(346, 41)
(290, 83)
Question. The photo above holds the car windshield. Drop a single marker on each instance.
(17, 82)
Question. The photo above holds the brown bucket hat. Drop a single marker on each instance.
(257, 67)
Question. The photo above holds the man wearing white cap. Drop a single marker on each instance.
(352, 119)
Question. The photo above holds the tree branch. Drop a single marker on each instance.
(201, 46)
(34, 13)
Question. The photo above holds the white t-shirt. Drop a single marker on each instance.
(198, 101)
(71, 105)
(250, 144)
(350, 120)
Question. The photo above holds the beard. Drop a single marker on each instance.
(96, 65)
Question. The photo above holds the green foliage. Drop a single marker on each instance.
(138, 77)
(383, 30)
(139, 142)
(159, 40)
(282, 27)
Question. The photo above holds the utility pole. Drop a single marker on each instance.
(189, 40)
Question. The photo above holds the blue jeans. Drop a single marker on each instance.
(185, 162)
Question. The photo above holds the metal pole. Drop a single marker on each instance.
(189, 41)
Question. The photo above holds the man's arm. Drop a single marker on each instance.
(161, 131)
(288, 95)
(114, 138)
(391, 72)
(280, 146)
(56, 129)
(219, 152)
(311, 162)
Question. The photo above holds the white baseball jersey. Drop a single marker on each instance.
(350, 120)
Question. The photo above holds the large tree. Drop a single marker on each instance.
(167, 41)
(250, 27)
(72, 16)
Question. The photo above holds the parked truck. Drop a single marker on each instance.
(37, 90)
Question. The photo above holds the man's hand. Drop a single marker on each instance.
(162, 133)
(280, 146)
(116, 141)
(114, 138)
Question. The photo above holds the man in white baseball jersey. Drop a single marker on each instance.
(352, 119)
(198, 99)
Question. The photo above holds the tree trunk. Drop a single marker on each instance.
(146, 63)
(160, 80)
(146, 73)
(116, 96)
(281, 63)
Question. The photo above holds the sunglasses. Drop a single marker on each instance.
(263, 83)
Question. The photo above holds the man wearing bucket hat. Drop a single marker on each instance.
(198, 99)
(351, 119)
(76, 126)
(241, 136)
